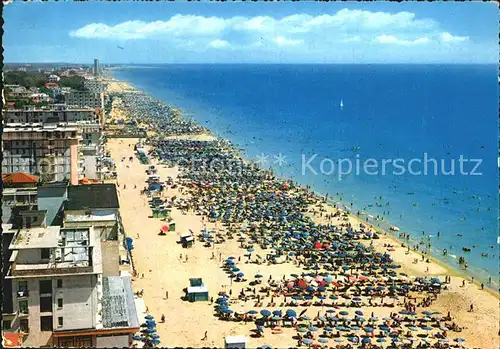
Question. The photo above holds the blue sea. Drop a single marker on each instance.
(321, 117)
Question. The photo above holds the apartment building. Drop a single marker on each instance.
(89, 131)
(57, 114)
(59, 295)
(94, 85)
(87, 99)
(49, 151)
(54, 276)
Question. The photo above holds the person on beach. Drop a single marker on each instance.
(205, 337)
(166, 294)
(471, 309)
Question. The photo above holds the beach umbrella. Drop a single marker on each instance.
(291, 313)
(155, 336)
(252, 312)
(265, 346)
(265, 312)
(353, 339)
(459, 340)
(344, 313)
(366, 340)
(137, 338)
(307, 341)
(302, 329)
(331, 311)
(149, 317)
(359, 312)
(155, 341)
(355, 328)
(369, 329)
(427, 312)
(339, 340)
(412, 328)
(258, 276)
(165, 228)
(427, 328)
(240, 275)
(328, 329)
(323, 340)
(381, 340)
(250, 250)
(313, 328)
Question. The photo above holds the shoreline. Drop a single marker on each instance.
(479, 276)
(148, 257)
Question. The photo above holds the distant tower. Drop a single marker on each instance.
(96, 67)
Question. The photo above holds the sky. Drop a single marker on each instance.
(251, 32)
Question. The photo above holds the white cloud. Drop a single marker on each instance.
(392, 40)
(194, 25)
(447, 37)
(282, 41)
(218, 43)
(344, 29)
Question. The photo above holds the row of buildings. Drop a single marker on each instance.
(66, 271)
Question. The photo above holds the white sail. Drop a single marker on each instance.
(341, 104)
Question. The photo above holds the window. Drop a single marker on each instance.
(22, 286)
(45, 253)
(60, 303)
(6, 325)
(59, 283)
(45, 304)
(45, 323)
(24, 325)
(60, 321)
(23, 307)
(45, 286)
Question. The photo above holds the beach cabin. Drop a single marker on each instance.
(171, 226)
(235, 342)
(197, 293)
(187, 240)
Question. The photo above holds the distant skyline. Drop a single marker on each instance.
(251, 32)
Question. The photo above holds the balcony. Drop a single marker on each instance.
(50, 269)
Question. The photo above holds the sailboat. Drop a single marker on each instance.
(341, 104)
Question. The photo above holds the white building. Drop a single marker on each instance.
(54, 78)
(59, 294)
(85, 99)
(94, 85)
(50, 151)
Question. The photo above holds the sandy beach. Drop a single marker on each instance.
(164, 268)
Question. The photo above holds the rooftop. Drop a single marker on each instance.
(92, 196)
(19, 178)
(118, 305)
(37, 237)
